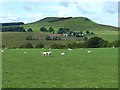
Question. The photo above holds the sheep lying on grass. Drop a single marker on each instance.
(46, 53)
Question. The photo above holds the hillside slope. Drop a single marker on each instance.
(74, 24)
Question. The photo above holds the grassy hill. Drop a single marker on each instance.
(74, 24)
(109, 33)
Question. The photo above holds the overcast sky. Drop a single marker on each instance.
(100, 11)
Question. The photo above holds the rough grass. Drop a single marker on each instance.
(76, 69)
(16, 39)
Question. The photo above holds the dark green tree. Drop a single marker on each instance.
(51, 30)
(43, 29)
(103, 43)
(87, 32)
(63, 30)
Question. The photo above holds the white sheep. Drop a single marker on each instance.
(113, 47)
(49, 53)
(69, 49)
(89, 51)
(62, 53)
(46, 53)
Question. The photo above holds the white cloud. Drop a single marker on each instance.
(35, 16)
(17, 18)
(8, 17)
(59, 0)
(97, 11)
(110, 7)
(61, 14)
(101, 11)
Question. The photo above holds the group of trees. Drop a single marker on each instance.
(29, 30)
(51, 30)
(63, 30)
(66, 31)
(12, 24)
(13, 29)
(43, 29)
(96, 42)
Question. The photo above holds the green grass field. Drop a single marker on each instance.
(76, 69)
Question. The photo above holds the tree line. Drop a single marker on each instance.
(11, 24)
(13, 29)
(66, 31)
(44, 29)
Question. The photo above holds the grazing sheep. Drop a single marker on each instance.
(25, 52)
(89, 51)
(62, 53)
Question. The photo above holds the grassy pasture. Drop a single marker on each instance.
(76, 69)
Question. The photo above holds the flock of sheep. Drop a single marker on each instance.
(48, 53)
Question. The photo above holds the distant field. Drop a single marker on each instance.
(76, 69)
(15, 39)
(108, 35)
